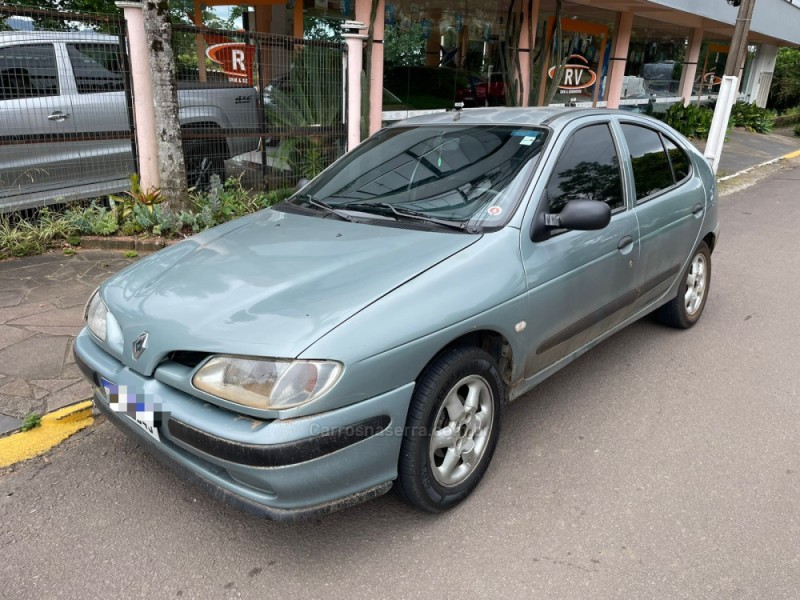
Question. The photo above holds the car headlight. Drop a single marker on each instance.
(97, 316)
(266, 383)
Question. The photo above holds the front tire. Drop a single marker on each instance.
(452, 429)
(685, 309)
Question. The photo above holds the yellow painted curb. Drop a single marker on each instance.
(794, 154)
(55, 427)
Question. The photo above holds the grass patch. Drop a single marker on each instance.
(32, 421)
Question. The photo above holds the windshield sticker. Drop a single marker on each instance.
(494, 210)
(525, 133)
(527, 140)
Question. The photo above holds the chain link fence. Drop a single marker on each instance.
(281, 101)
(66, 124)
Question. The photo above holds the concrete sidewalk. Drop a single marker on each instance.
(42, 300)
(41, 311)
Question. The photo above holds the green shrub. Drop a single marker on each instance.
(752, 117)
(92, 220)
(692, 121)
(25, 237)
(797, 129)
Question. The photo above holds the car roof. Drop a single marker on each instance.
(542, 116)
(16, 37)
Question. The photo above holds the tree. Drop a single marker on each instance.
(785, 88)
(172, 173)
(404, 48)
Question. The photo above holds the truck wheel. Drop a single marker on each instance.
(202, 161)
(452, 429)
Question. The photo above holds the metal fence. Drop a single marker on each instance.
(66, 126)
(264, 108)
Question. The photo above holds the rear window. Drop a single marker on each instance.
(651, 168)
(28, 72)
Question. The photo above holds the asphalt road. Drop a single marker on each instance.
(663, 464)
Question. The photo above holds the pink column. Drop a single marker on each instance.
(690, 65)
(143, 104)
(619, 56)
(526, 47)
(376, 74)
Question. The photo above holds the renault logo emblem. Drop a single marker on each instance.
(140, 345)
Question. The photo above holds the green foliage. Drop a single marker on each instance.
(753, 118)
(125, 206)
(69, 251)
(130, 254)
(785, 87)
(404, 48)
(310, 100)
(692, 121)
(25, 237)
(797, 129)
(92, 220)
(32, 421)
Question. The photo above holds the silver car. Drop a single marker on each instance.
(368, 332)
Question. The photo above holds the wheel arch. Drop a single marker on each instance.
(490, 341)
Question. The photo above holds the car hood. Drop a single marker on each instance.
(269, 284)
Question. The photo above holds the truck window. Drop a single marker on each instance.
(97, 68)
(28, 72)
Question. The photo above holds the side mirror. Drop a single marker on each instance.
(303, 182)
(583, 215)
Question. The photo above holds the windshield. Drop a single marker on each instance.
(467, 174)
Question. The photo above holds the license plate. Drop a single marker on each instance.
(134, 406)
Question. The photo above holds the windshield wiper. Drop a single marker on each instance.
(326, 207)
(408, 214)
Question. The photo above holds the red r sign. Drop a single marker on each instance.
(236, 60)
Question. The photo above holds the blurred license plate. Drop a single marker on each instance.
(133, 406)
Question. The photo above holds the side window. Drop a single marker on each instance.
(97, 68)
(587, 169)
(28, 72)
(680, 162)
(651, 168)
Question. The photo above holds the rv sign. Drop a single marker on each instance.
(576, 74)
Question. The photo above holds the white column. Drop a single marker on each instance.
(143, 103)
(719, 123)
(761, 71)
(355, 59)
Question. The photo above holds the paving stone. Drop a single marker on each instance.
(9, 298)
(52, 290)
(71, 371)
(75, 300)
(66, 317)
(24, 310)
(39, 393)
(53, 385)
(17, 387)
(39, 357)
(11, 335)
(9, 424)
(75, 393)
(20, 407)
(64, 330)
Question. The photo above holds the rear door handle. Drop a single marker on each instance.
(57, 115)
(697, 209)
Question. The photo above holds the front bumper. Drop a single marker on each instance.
(281, 469)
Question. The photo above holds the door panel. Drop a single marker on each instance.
(580, 283)
(37, 131)
(670, 205)
(100, 111)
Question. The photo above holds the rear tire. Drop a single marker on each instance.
(203, 160)
(452, 429)
(683, 311)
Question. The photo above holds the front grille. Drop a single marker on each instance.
(187, 358)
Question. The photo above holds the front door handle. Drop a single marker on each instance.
(57, 115)
(625, 244)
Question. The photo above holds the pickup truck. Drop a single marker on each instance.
(65, 130)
